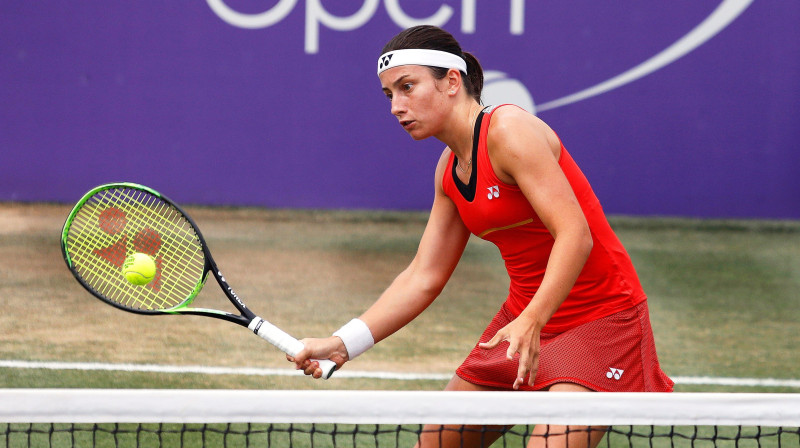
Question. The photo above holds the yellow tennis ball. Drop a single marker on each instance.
(139, 269)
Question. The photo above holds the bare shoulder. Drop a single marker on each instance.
(515, 125)
(516, 138)
(441, 167)
(510, 114)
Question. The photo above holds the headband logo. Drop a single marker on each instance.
(385, 61)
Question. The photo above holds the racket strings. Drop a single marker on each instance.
(116, 222)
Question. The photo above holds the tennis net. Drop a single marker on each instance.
(245, 418)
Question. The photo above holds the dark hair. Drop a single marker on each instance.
(427, 37)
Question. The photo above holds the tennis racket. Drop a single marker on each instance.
(115, 220)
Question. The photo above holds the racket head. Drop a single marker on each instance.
(113, 221)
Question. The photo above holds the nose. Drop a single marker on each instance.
(398, 106)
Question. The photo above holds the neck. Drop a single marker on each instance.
(459, 136)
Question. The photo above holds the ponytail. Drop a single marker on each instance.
(474, 76)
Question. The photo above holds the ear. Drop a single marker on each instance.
(453, 81)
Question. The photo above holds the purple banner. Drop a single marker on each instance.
(683, 108)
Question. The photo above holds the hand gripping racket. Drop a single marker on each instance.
(116, 220)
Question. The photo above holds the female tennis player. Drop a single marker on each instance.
(575, 318)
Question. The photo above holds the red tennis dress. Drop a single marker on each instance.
(600, 336)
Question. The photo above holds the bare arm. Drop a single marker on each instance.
(421, 282)
(525, 152)
(414, 289)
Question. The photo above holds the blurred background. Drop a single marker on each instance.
(266, 120)
(683, 108)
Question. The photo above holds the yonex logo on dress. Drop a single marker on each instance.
(614, 373)
(494, 192)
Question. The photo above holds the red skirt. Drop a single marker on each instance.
(616, 353)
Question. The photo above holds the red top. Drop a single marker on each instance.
(500, 213)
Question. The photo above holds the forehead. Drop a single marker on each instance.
(396, 74)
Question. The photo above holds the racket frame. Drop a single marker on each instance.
(247, 319)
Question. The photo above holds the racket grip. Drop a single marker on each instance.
(286, 343)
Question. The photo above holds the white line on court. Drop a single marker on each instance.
(252, 371)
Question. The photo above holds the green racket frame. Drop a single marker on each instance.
(112, 221)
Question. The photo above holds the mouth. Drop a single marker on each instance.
(407, 124)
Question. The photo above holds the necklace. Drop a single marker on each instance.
(464, 170)
(472, 120)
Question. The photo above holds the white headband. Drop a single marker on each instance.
(416, 56)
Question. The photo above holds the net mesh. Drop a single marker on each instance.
(380, 419)
(367, 436)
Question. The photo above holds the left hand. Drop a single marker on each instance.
(522, 335)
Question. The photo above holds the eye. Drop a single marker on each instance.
(407, 86)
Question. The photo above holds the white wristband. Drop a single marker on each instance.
(356, 337)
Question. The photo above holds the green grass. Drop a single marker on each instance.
(722, 296)
(723, 301)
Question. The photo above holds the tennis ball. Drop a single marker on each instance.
(139, 269)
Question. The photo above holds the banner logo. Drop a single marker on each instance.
(317, 15)
(500, 87)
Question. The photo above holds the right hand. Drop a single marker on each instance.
(319, 348)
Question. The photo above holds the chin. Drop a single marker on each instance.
(417, 136)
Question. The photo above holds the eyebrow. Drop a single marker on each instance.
(398, 81)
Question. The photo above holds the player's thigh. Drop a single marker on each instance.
(554, 436)
(568, 387)
(441, 436)
(458, 384)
